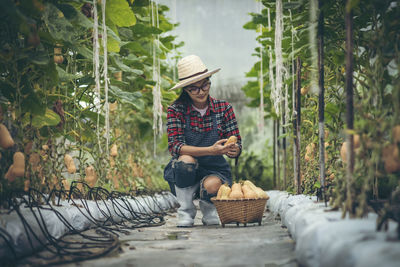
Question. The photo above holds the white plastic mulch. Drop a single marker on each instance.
(323, 238)
(78, 217)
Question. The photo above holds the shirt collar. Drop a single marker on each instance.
(211, 106)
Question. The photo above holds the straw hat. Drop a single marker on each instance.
(190, 70)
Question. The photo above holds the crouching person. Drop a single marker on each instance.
(198, 127)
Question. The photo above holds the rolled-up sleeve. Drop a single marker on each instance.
(175, 131)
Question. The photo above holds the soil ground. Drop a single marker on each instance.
(167, 245)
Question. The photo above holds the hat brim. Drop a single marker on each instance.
(194, 79)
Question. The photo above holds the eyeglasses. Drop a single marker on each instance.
(194, 90)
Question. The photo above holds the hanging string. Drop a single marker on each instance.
(159, 97)
(105, 76)
(157, 106)
(173, 45)
(293, 32)
(96, 66)
(261, 76)
(271, 68)
(287, 110)
(313, 45)
(294, 114)
(278, 97)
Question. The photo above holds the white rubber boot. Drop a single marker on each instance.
(187, 210)
(210, 215)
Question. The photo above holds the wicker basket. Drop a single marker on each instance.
(240, 211)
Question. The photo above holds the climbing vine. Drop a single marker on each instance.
(48, 97)
(376, 37)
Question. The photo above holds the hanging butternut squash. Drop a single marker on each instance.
(396, 134)
(66, 184)
(10, 174)
(391, 159)
(27, 183)
(114, 150)
(309, 155)
(19, 164)
(343, 149)
(58, 58)
(91, 176)
(28, 148)
(116, 182)
(69, 163)
(6, 140)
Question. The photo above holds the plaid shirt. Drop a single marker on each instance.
(226, 121)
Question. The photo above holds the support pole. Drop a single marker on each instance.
(274, 152)
(277, 154)
(349, 107)
(284, 151)
(297, 121)
(321, 102)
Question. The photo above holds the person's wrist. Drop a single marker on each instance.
(211, 150)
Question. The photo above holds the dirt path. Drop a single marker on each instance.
(167, 245)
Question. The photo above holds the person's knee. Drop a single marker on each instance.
(212, 184)
(187, 159)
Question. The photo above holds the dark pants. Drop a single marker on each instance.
(189, 174)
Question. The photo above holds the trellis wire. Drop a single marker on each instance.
(61, 250)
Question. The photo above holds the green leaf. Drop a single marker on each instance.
(85, 52)
(119, 12)
(40, 59)
(93, 117)
(134, 47)
(88, 135)
(127, 97)
(250, 26)
(71, 13)
(283, 136)
(33, 104)
(332, 109)
(292, 5)
(59, 27)
(50, 118)
(112, 45)
(64, 76)
(144, 30)
(126, 68)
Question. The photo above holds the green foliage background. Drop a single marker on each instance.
(376, 94)
(48, 102)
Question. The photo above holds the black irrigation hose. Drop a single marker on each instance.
(111, 205)
(51, 241)
(6, 237)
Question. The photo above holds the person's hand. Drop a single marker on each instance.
(233, 151)
(219, 149)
